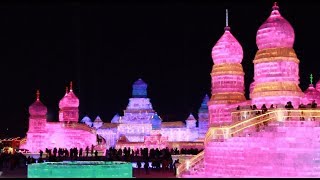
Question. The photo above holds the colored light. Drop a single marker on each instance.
(80, 169)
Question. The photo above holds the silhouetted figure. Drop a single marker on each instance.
(80, 152)
(92, 149)
(87, 151)
(55, 152)
(238, 107)
(96, 154)
(139, 166)
(313, 104)
(41, 153)
(271, 106)
(288, 106)
(254, 107)
(175, 165)
(146, 167)
(264, 108)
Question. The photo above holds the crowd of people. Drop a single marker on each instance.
(160, 159)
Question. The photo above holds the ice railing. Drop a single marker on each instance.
(23, 141)
(190, 163)
(225, 132)
(79, 126)
(254, 117)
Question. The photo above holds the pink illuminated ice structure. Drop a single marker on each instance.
(67, 133)
(311, 94)
(276, 66)
(227, 78)
(69, 106)
(276, 143)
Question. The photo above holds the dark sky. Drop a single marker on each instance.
(103, 47)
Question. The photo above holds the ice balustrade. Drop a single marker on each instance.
(255, 117)
(224, 132)
(79, 126)
(190, 164)
(23, 141)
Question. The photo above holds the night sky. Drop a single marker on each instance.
(103, 47)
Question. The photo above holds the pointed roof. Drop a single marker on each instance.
(227, 49)
(139, 82)
(156, 121)
(37, 108)
(204, 104)
(275, 32)
(191, 118)
(115, 118)
(98, 119)
(139, 89)
(86, 119)
(156, 117)
(69, 99)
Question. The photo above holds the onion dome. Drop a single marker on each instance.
(37, 108)
(312, 94)
(69, 99)
(275, 32)
(139, 89)
(156, 122)
(204, 104)
(227, 49)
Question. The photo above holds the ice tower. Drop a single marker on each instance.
(37, 125)
(227, 77)
(276, 66)
(137, 119)
(69, 106)
(203, 114)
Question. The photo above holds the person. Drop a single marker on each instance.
(238, 107)
(289, 106)
(139, 166)
(254, 107)
(271, 107)
(41, 153)
(80, 152)
(87, 151)
(92, 147)
(264, 108)
(146, 167)
(313, 104)
(176, 165)
(96, 154)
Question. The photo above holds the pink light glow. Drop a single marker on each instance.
(275, 32)
(227, 49)
(275, 62)
(42, 134)
(318, 86)
(311, 94)
(227, 79)
(287, 151)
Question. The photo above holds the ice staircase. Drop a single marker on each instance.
(256, 127)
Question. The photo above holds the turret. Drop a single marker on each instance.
(69, 106)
